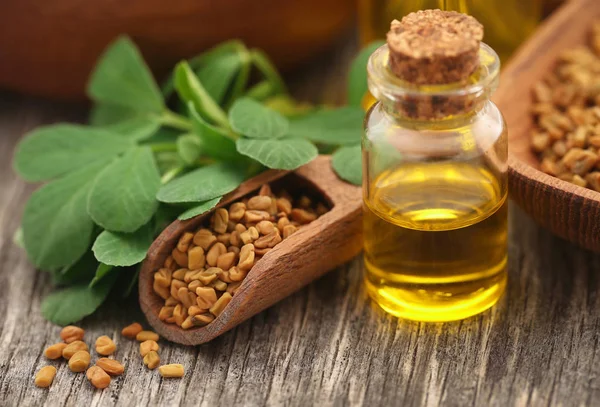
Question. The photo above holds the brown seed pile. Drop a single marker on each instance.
(567, 116)
(207, 267)
(76, 351)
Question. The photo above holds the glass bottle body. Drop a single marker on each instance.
(435, 208)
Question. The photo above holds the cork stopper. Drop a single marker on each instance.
(432, 47)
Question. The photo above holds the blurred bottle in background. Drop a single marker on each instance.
(507, 22)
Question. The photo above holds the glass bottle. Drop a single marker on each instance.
(435, 193)
(507, 22)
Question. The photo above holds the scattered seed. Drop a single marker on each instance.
(73, 348)
(111, 366)
(148, 346)
(79, 361)
(131, 331)
(105, 346)
(71, 333)
(146, 335)
(173, 370)
(45, 376)
(98, 377)
(55, 351)
(152, 360)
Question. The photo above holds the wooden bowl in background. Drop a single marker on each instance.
(49, 47)
(567, 210)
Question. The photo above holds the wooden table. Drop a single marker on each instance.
(327, 344)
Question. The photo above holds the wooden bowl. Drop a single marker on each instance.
(567, 210)
(49, 47)
(331, 240)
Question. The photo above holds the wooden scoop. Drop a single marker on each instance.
(331, 240)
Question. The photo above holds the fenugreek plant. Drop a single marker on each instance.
(152, 154)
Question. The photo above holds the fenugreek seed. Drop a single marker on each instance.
(189, 275)
(321, 209)
(233, 287)
(180, 314)
(224, 238)
(234, 249)
(214, 253)
(249, 235)
(235, 239)
(173, 370)
(304, 202)
(236, 211)
(170, 302)
(184, 241)
(105, 346)
(593, 179)
(193, 285)
(265, 190)
(230, 226)
(206, 297)
(170, 263)
(71, 333)
(196, 258)
(246, 257)
(269, 240)
(220, 285)
(224, 276)
(98, 377)
(265, 227)
(302, 216)
(73, 348)
(220, 220)
(130, 331)
(187, 297)
(209, 275)
(273, 208)
(147, 346)
(254, 216)
(165, 313)
(175, 286)
(540, 141)
(580, 161)
(240, 228)
(163, 277)
(55, 351)
(111, 366)
(151, 360)
(260, 202)
(281, 223)
(194, 310)
(202, 319)
(204, 238)
(226, 260)
(577, 180)
(220, 305)
(261, 252)
(594, 140)
(181, 258)
(146, 336)
(187, 324)
(162, 291)
(45, 376)
(289, 230)
(560, 148)
(236, 274)
(549, 166)
(179, 274)
(79, 361)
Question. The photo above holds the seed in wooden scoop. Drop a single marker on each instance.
(204, 238)
(173, 370)
(71, 333)
(302, 216)
(289, 230)
(163, 277)
(259, 202)
(206, 297)
(202, 319)
(110, 366)
(246, 257)
(152, 360)
(184, 242)
(98, 377)
(72, 348)
(55, 351)
(45, 376)
(131, 331)
(148, 346)
(196, 258)
(79, 361)
(220, 220)
(220, 305)
(146, 335)
(236, 211)
(105, 346)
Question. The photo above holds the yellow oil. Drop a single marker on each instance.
(435, 240)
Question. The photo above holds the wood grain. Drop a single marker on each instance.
(570, 211)
(328, 242)
(325, 345)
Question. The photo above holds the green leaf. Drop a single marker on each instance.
(200, 209)
(50, 151)
(253, 120)
(72, 304)
(218, 75)
(56, 226)
(216, 142)
(18, 238)
(285, 154)
(101, 271)
(202, 184)
(122, 78)
(82, 271)
(357, 78)
(125, 121)
(190, 89)
(347, 163)
(123, 249)
(123, 196)
(189, 148)
(339, 126)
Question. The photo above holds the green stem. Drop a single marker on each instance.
(172, 173)
(162, 147)
(175, 120)
(260, 91)
(262, 62)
